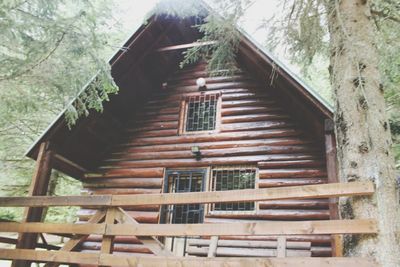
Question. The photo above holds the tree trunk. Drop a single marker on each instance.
(362, 129)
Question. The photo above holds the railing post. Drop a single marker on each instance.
(332, 172)
(38, 187)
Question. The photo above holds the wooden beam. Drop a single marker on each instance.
(212, 249)
(256, 228)
(281, 247)
(158, 261)
(332, 172)
(39, 185)
(184, 46)
(107, 244)
(366, 226)
(292, 192)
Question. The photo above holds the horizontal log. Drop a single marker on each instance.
(117, 247)
(122, 182)
(215, 137)
(217, 86)
(214, 145)
(320, 240)
(295, 204)
(246, 252)
(241, 96)
(158, 118)
(121, 191)
(208, 153)
(243, 110)
(154, 133)
(295, 192)
(130, 173)
(274, 214)
(160, 261)
(249, 126)
(210, 80)
(365, 226)
(289, 173)
(205, 162)
(140, 216)
(152, 126)
(291, 164)
(249, 102)
(278, 182)
(249, 243)
(254, 117)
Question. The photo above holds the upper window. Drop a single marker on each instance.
(233, 179)
(200, 113)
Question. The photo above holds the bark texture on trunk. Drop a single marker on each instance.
(362, 129)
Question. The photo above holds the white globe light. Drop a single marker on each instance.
(201, 82)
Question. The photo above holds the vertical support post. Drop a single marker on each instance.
(108, 241)
(38, 187)
(281, 247)
(212, 250)
(331, 166)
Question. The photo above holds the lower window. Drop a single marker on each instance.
(233, 178)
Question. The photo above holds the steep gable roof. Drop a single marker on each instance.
(139, 70)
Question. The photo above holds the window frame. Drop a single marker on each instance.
(184, 112)
(209, 208)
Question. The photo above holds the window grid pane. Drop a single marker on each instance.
(201, 113)
(233, 179)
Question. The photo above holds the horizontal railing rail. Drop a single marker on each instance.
(112, 220)
(292, 192)
(216, 229)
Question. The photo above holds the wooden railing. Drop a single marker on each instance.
(111, 220)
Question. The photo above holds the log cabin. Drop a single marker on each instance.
(172, 131)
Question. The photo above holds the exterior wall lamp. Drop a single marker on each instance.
(196, 152)
(201, 83)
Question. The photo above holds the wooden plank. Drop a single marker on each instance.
(236, 262)
(160, 261)
(212, 250)
(108, 240)
(293, 192)
(366, 226)
(49, 256)
(298, 192)
(332, 172)
(56, 228)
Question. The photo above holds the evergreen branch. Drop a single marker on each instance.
(37, 64)
(384, 15)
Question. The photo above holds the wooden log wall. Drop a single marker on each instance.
(255, 130)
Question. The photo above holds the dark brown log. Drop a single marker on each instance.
(247, 126)
(140, 216)
(123, 182)
(254, 117)
(289, 173)
(249, 102)
(291, 164)
(153, 126)
(215, 137)
(214, 145)
(274, 214)
(264, 183)
(244, 110)
(121, 191)
(294, 204)
(240, 160)
(129, 173)
(228, 152)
